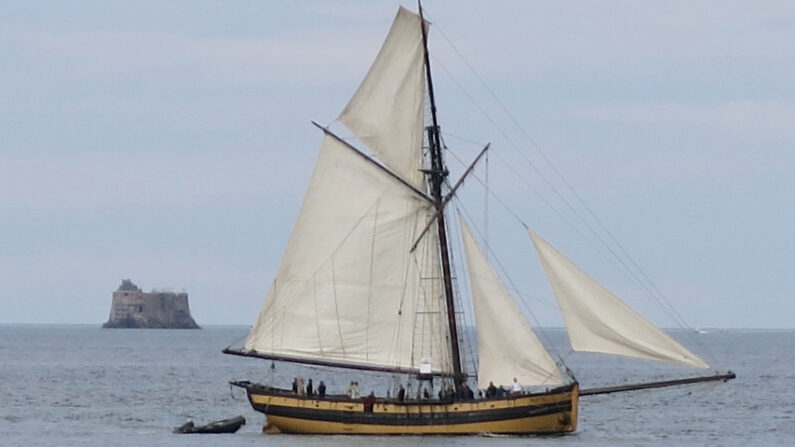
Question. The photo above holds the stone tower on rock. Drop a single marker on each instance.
(134, 308)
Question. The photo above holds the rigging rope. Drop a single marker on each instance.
(637, 275)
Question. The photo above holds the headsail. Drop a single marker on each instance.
(507, 346)
(598, 321)
(386, 112)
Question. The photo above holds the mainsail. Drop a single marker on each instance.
(349, 290)
(348, 287)
(507, 346)
(598, 321)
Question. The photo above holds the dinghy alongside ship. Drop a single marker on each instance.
(366, 283)
(231, 425)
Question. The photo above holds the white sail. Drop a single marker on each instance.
(387, 110)
(507, 346)
(598, 321)
(348, 287)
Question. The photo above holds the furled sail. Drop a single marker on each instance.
(598, 321)
(386, 112)
(507, 346)
(348, 289)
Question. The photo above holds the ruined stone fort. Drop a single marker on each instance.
(134, 308)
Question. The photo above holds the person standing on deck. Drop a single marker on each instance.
(300, 384)
(491, 391)
(516, 388)
(466, 392)
(353, 390)
(310, 390)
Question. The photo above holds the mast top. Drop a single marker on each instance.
(428, 77)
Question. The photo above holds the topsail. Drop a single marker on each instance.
(386, 112)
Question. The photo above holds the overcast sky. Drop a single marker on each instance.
(170, 143)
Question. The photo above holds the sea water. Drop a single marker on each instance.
(86, 386)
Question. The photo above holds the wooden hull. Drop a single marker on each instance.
(553, 412)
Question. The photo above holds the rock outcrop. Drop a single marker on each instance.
(134, 308)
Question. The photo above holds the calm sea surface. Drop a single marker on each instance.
(81, 385)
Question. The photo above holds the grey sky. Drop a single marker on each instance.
(170, 143)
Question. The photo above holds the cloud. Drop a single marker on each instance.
(293, 57)
(764, 119)
(97, 180)
(364, 12)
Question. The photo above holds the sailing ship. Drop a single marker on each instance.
(366, 283)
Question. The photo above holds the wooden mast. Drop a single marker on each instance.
(437, 174)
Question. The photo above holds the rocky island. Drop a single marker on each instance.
(134, 308)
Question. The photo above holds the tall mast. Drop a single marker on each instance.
(437, 174)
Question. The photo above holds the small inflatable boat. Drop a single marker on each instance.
(225, 426)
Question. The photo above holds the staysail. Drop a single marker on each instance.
(598, 321)
(507, 346)
(386, 112)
